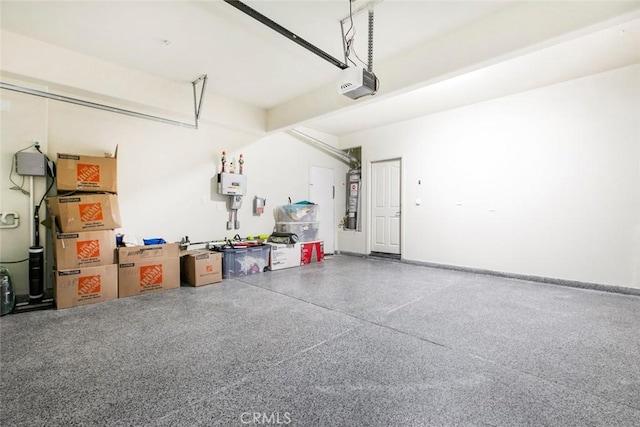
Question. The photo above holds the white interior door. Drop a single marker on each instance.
(321, 192)
(385, 207)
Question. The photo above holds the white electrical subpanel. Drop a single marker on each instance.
(232, 184)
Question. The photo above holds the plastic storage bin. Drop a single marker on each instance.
(306, 231)
(297, 212)
(244, 261)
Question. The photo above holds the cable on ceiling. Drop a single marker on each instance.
(348, 37)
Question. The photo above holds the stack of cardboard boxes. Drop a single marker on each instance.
(85, 214)
(89, 267)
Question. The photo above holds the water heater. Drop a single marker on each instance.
(353, 196)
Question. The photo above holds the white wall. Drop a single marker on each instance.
(166, 174)
(167, 185)
(544, 183)
(23, 120)
(79, 75)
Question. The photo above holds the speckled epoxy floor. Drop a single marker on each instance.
(347, 342)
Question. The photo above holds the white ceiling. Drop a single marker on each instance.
(604, 50)
(253, 64)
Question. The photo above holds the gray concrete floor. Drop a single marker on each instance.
(346, 342)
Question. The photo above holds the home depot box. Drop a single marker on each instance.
(285, 256)
(312, 252)
(87, 173)
(84, 249)
(85, 285)
(144, 269)
(85, 212)
(201, 267)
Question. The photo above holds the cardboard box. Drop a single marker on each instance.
(84, 249)
(201, 267)
(285, 256)
(312, 252)
(145, 269)
(85, 212)
(148, 252)
(85, 285)
(87, 173)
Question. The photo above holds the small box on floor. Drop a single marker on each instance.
(201, 267)
(312, 252)
(85, 212)
(285, 256)
(86, 285)
(87, 173)
(145, 269)
(84, 249)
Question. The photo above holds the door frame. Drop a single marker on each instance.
(328, 250)
(369, 204)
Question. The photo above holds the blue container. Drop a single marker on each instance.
(155, 241)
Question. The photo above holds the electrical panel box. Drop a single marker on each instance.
(31, 164)
(232, 184)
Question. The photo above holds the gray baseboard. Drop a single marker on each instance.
(540, 279)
